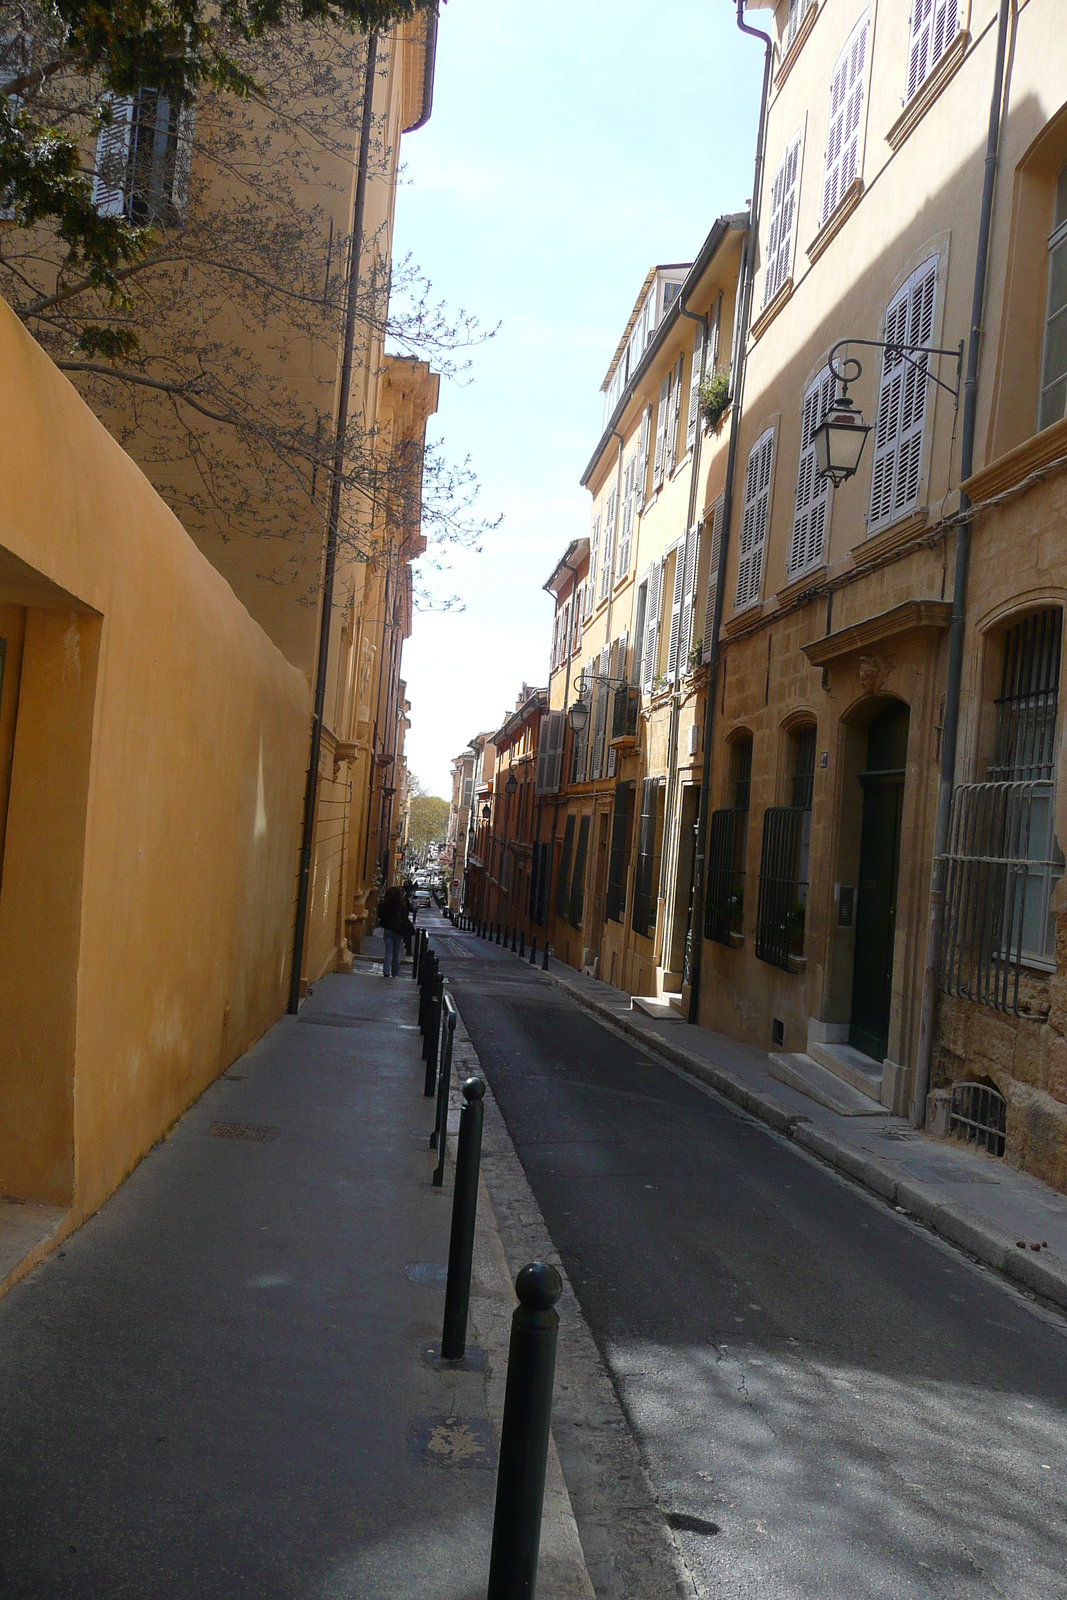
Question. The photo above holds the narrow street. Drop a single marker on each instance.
(855, 1408)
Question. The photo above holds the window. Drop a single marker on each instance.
(899, 424)
(653, 602)
(629, 507)
(468, 788)
(642, 455)
(673, 417)
(783, 883)
(563, 880)
(661, 431)
(754, 521)
(550, 753)
(783, 211)
(846, 110)
(797, 11)
(707, 637)
(934, 25)
(813, 492)
(685, 575)
(143, 158)
(695, 372)
(727, 842)
(619, 854)
(601, 698)
(1003, 860)
(580, 741)
(594, 558)
(576, 905)
(539, 882)
(646, 869)
(607, 558)
(1051, 405)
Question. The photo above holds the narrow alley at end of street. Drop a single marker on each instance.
(831, 1402)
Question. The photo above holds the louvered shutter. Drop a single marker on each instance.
(713, 579)
(642, 455)
(600, 714)
(899, 423)
(607, 556)
(685, 637)
(629, 491)
(783, 208)
(846, 110)
(934, 25)
(652, 620)
(694, 388)
(550, 753)
(754, 521)
(594, 556)
(813, 492)
(576, 622)
(553, 660)
(676, 610)
(661, 431)
(674, 413)
(111, 172)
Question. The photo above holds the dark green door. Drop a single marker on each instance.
(876, 901)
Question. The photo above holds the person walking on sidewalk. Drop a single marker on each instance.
(395, 923)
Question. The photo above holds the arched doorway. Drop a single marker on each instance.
(876, 903)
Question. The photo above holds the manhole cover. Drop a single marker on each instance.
(252, 1131)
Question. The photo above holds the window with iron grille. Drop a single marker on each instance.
(781, 910)
(539, 882)
(625, 712)
(563, 880)
(978, 1115)
(619, 854)
(576, 906)
(1003, 860)
(727, 839)
(646, 868)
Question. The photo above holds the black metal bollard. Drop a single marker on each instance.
(498, 933)
(522, 945)
(520, 1481)
(544, 964)
(433, 1037)
(464, 1213)
(417, 955)
(439, 1136)
(533, 952)
(514, 946)
(427, 975)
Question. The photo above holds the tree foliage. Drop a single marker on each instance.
(428, 820)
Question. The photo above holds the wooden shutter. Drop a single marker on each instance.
(600, 714)
(674, 412)
(813, 492)
(576, 622)
(661, 431)
(685, 636)
(563, 880)
(577, 896)
(642, 455)
(607, 552)
(111, 168)
(594, 557)
(694, 388)
(550, 752)
(846, 112)
(783, 208)
(629, 491)
(676, 610)
(713, 579)
(899, 423)
(754, 521)
(652, 619)
(934, 25)
(619, 852)
(642, 919)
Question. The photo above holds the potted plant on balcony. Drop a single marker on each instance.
(715, 398)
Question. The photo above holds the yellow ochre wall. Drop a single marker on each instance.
(149, 858)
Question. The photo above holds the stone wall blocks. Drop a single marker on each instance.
(992, 1038)
(1054, 1075)
(1057, 994)
(1028, 1061)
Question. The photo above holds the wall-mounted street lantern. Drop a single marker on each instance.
(842, 433)
(512, 785)
(486, 813)
(579, 711)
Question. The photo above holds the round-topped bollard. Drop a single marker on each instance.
(464, 1216)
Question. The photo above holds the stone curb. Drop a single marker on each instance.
(955, 1222)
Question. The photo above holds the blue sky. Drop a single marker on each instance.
(571, 147)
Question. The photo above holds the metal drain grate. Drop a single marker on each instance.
(255, 1132)
(979, 1116)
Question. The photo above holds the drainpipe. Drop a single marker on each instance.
(312, 787)
(928, 1014)
(745, 290)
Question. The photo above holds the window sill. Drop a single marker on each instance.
(771, 310)
(737, 941)
(812, 579)
(923, 99)
(785, 66)
(836, 220)
(680, 466)
(743, 619)
(888, 537)
(1038, 452)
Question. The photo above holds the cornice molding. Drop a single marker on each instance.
(771, 310)
(1008, 471)
(889, 627)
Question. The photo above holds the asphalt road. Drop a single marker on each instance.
(857, 1409)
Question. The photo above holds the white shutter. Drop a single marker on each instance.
(846, 111)
(661, 431)
(553, 660)
(642, 455)
(113, 158)
(183, 161)
(652, 621)
(576, 621)
(601, 697)
(676, 610)
(607, 558)
(783, 209)
(550, 753)
(934, 25)
(713, 578)
(813, 492)
(685, 637)
(594, 557)
(898, 428)
(754, 521)
(674, 412)
(629, 488)
(694, 388)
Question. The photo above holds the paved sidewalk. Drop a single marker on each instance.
(220, 1387)
(975, 1201)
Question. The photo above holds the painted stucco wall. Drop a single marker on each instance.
(150, 851)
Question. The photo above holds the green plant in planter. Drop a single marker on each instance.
(715, 398)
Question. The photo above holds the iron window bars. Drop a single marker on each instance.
(1003, 860)
(978, 1115)
(781, 910)
(618, 858)
(727, 836)
(643, 914)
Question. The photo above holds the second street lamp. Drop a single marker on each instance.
(842, 433)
